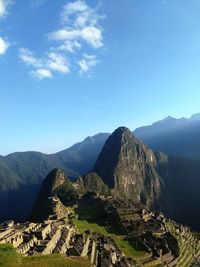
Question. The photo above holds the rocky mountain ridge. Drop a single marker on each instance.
(163, 183)
(22, 173)
(128, 169)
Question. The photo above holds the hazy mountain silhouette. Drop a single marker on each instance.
(178, 137)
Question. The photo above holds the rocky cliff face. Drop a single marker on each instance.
(167, 184)
(129, 168)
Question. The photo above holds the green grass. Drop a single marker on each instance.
(8, 255)
(10, 258)
(127, 248)
(95, 222)
(83, 225)
(124, 245)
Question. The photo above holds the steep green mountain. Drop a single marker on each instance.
(176, 137)
(91, 183)
(56, 191)
(128, 167)
(21, 174)
(167, 184)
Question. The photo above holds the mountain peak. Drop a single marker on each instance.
(122, 133)
(55, 186)
(122, 130)
(126, 165)
(169, 118)
(195, 116)
(54, 179)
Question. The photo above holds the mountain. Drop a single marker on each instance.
(128, 167)
(81, 156)
(167, 184)
(55, 192)
(22, 173)
(91, 182)
(176, 137)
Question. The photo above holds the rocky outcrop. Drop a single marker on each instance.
(94, 183)
(56, 191)
(164, 183)
(91, 183)
(128, 167)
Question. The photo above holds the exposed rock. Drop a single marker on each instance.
(129, 168)
(94, 183)
(91, 183)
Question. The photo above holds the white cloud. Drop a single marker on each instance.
(91, 35)
(41, 74)
(58, 63)
(80, 23)
(87, 63)
(74, 7)
(3, 46)
(43, 67)
(64, 34)
(71, 43)
(29, 59)
(69, 46)
(2, 8)
(4, 5)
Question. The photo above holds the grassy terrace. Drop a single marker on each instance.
(10, 258)
(186, 245)
(90, 216)
(125, 246)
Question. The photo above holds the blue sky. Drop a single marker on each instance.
(69, 69)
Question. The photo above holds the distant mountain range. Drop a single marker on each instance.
(178, 137)
(22, 173)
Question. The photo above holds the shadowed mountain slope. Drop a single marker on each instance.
(22, 173)
(55, 192)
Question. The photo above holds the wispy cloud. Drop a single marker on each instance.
(80, 23)
(87, 63)
(57, 62)
(74, 43)
(29, 59)
(43, 67)
(41, 74)
(3, 46)
(4, 6)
